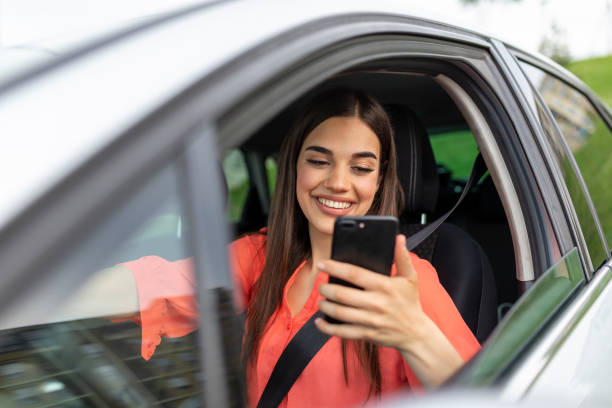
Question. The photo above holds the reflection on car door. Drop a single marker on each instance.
(525, 322)
(68, 353)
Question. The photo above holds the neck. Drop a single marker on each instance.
(320, 245)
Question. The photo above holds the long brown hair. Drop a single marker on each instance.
(288, 241)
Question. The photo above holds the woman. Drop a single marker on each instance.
(338, 159)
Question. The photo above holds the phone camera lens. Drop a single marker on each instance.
(346, 224)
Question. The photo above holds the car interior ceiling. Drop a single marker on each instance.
(477, 234)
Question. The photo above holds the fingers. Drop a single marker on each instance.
(402, 259)
(350, 296)
(349, 314)
(345, 331)
(367, 279)
(356, 275)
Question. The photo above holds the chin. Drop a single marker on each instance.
(326, 228)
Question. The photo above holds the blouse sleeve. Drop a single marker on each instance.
(166, 299)
(166, 291)
(247, 259)
(439, 307)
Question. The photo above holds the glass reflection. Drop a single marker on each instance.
(80, 343)
(590, 142)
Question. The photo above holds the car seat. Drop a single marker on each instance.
(463, 268)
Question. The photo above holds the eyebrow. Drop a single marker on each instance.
(323, 150)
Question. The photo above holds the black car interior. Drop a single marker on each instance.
(472, 252)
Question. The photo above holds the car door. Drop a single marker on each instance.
(548, 343)
(572, 355)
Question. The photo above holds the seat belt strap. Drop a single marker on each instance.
(309, 340)
(478, 169)
(295, 357)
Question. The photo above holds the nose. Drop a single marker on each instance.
(338, 179)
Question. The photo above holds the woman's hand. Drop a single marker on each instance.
(388, 312)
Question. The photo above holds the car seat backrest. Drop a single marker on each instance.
(462, 266)
(417, 169)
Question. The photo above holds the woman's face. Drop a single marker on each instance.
(338, 172)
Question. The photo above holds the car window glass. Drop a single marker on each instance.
(590, 142)
(89, 339)
(526, 318)
(271, 169)
(237, 179)
(454, 152)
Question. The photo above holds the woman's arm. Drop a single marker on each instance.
(388, 312)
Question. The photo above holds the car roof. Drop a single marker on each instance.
(56, 119)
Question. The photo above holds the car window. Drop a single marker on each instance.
(237, 179)
(454, 151)
(271, 171)
(590, 142)
(81, 344)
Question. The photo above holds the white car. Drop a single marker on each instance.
(113, 150)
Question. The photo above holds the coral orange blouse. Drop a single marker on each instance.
(168, 308)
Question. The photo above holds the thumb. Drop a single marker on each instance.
(402, 259)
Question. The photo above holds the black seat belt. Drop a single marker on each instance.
(309, 340)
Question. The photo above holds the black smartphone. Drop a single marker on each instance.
(367, 241)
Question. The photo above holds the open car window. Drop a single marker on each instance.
(455, 151)
(484, 215)
(480, 219)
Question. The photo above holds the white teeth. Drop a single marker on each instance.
(334, 204)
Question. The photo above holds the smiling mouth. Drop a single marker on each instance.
(334, 204)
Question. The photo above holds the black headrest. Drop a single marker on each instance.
(416, 162)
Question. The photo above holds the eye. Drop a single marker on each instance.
(364, 170)
(317, 162)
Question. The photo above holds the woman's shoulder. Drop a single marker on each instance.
(248, 257)
(250, 249)
(252, 241)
